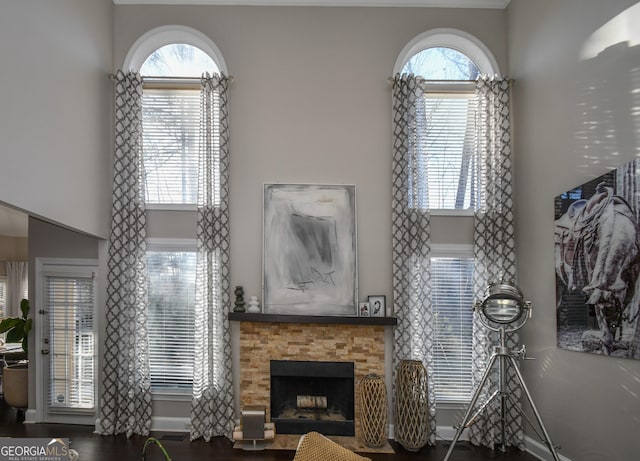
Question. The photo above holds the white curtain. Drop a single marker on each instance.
(17, 286)
(212, 407)
(411, 236)
(494, 252)
(125, 403)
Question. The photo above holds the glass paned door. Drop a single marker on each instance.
(68, 343)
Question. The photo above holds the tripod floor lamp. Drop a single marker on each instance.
(504, 311)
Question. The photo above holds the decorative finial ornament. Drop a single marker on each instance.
(239, 304)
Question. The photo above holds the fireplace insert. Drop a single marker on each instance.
(312, 396)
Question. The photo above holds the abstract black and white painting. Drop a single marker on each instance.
(597, 259)
(309, 249)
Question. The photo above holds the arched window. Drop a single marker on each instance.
(172, 61)
(152, 46)
(442, 175)
(449, 62)
(464, 46)
(178, 60)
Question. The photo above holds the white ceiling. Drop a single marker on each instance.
(13, 223)
(499, 4)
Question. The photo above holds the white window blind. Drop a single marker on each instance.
(171, 318)
(171, 123)
(452, 299)
(3, 296)
(448, 146)
(69, 302)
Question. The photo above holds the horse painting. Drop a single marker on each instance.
(597, 259)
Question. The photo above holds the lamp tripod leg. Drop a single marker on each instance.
(466, 419)
(547, 439)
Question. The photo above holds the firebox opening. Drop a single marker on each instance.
(312, 396)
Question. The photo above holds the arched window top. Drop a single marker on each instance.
(441, 63)
(174, 51)
(178, 60)
(446, 54)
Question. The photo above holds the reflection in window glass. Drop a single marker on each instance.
(178, 60)
(441, 64)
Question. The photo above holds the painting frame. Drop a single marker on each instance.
(309, 249)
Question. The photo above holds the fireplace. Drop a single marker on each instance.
(312, 396)
(263, 340)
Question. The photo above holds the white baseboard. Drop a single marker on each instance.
(30, 416)
(165, 424)
(532, 446)
(449, 432)
(540, 450)
(170, 424)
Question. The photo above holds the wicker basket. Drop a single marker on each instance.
(373, 410)
(411, 408)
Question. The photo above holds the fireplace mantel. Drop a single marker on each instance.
(321, 319)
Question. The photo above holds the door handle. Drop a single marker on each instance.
(45, 351)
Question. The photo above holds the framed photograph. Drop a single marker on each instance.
(363, 311)
(309, 250)
(377, 305)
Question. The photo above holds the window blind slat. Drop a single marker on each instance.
(447, 149)
(452, 300)
(170, 126)
(171, 318)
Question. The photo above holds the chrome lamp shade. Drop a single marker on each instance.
(504, 305)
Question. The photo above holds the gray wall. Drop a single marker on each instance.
(55, 110)
(577, 71)
(310, 104)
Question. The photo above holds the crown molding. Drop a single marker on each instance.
(493, 4)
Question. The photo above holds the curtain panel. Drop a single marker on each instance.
(125, 403)
(212, 406)
(17, 285)
(411, 235)
(494, 254)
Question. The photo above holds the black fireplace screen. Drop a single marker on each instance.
(312, 396)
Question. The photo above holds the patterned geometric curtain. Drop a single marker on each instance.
(125, 404)
(212, 407)
(411, 235)
(494, 253)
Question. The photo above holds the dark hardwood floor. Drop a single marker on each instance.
(120, 448)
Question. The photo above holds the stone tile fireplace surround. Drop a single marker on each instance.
(262, 341)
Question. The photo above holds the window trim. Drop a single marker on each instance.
(451, 250)
(156, 38)
(456, 39)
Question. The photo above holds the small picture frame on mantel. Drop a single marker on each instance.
(363, 309)
(377, 305)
